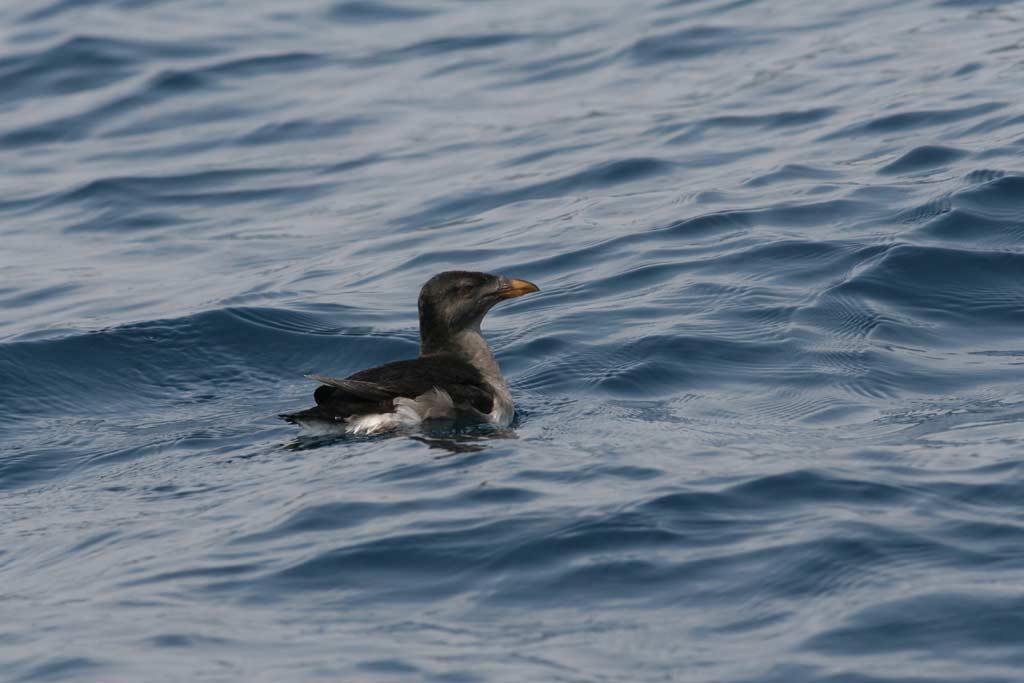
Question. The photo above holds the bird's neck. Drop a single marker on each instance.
(470, 345)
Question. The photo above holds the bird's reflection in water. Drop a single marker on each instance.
(443, 435)
(465, 441)
(305, 442)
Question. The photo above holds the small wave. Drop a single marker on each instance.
(970, 229)
(969, 622)
(85, 63)
(1001, 197)
(791, 173)
(597, 176)
(924, 158)
(945, 287)
(56, 669)
(692, 43)
(171, 359)
(363, 11)
(911, 120)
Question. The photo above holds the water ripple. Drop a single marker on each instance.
(768, 398)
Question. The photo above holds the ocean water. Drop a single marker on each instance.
(770, 397)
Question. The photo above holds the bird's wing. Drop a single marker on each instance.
(409, 378)
(355, 388)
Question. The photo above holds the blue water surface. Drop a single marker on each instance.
(770, 398)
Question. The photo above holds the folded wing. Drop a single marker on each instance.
(373, 391)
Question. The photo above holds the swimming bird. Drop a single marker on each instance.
(455, 377)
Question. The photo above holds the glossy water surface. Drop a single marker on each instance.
(771, 397)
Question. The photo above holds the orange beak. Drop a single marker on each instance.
(513, 288)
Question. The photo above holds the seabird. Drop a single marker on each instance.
(455, 377)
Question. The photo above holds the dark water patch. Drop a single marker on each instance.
(691, 43)
(443, 560)
(783, 119)
(167, 84)
(439, 259)
(1002, 540)
(342, 515)
(812, 674)
(755, 501)
(796, 261)
(803, 486)
(972, 3)
(104, 538)
(968, 69)
(965, 622)
(911, 120)
(927, 211)
(861, 62)
(264, 64)
(462, 65)
(710, 224)
(983, 175)
(200, 574)
(322, 322)
(585, 256)
(177, 120)
(924, 158)
(799, 570)
(847, 318)
(164, 361)
(61, 130)
(982, 495)
(84, 63)
(57, 669)
(945, 286)
(13, 298)
(301, 129)
(814, 213)
(560, 67)
(660, 365)
(188, 641)
(446, 45)
(791, 173)
(965, 227)
(352, 164)
(174, 81)
(1001, 197)
(599, 176)
(715, 8)
(360, 12)
(120, 220)
(704, 131)
(204, 187)
(605, 581)
(541, 155)
(632, 280)
(65, 6)
(389, 666)
(548, 553)
(997, 125)
(78, 126)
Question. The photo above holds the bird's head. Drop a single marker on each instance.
(456, 300)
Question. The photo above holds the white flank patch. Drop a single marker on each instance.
(409, 412)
